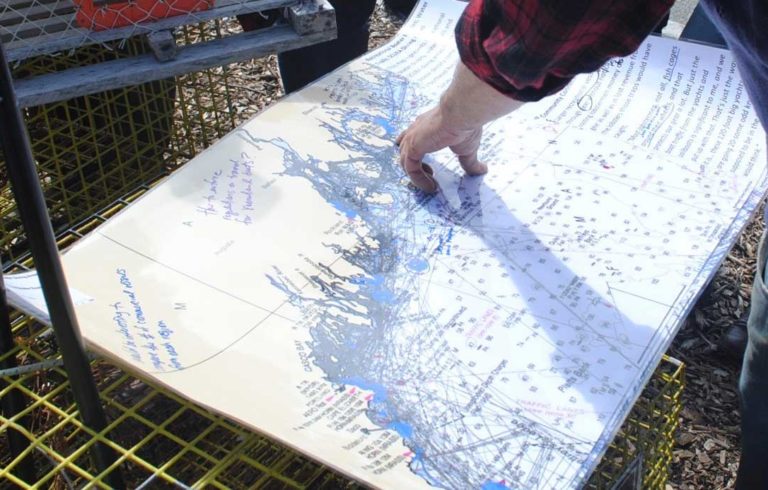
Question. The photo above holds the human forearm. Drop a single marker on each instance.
(469, 103)
(510, 53)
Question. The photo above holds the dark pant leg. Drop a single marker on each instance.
(743, 26)
(302, 66)
(753, 467)
(401, 7)
(701, 28)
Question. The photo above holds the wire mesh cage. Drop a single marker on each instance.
(647, 436)
(92, 149)
(164, 441)
(35, 27)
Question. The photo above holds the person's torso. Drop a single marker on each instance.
(744, 25)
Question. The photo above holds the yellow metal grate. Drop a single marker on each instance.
(164, 441)
(648, 432)
(93, 149)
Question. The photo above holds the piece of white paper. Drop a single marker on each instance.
(494, 335)
(24, 291)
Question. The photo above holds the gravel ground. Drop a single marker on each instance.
(707, 443)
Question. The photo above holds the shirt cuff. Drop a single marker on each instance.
(470, 37)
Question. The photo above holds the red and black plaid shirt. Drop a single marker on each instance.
(528, 49)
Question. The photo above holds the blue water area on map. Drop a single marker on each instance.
(385, 123)
(421, 469)
(379, 391)
(403, 429)
(417, 264)
(345, 209)
(492, 485)
(376, 287)
(383, 295)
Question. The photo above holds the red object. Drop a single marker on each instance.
(528, 49)
(119, 14)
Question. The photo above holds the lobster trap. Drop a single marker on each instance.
(92, 145)
(31, 28)
(98, 15)
(164, 441)
(92, 149)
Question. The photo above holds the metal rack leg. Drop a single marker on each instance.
(34, 217)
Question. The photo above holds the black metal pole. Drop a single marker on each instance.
(13, 401)
(32, 209)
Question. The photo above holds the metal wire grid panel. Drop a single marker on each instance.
(35, 27)
(93, 149)
(164, 441)
(648, 433)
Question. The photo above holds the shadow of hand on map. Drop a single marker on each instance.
(571, 360)
(496, 361)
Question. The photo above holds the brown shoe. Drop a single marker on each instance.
(733, 343)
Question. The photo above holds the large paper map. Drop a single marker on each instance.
(491, 336)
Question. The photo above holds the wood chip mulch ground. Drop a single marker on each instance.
(707, 444)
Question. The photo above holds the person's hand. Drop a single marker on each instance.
(456, 123)
(430, 132)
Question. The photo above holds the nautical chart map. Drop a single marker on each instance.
(493, 335)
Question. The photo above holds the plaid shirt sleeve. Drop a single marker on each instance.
(528, 49)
